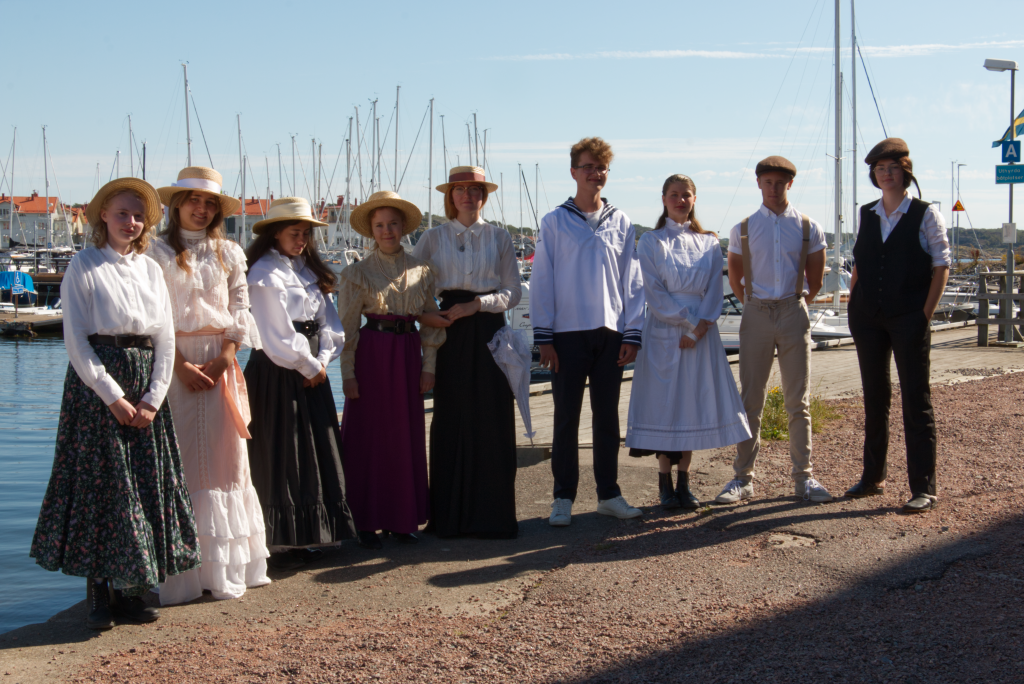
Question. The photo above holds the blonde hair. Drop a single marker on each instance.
(173, 232)
(692, 218)
(449, 204)
(99, 232)
(598, 149)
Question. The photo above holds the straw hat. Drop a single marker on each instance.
(154, 212)
(286, 209)
(201, 178)
(467, 174)
(385, 198)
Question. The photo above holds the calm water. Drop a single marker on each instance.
(31, 379)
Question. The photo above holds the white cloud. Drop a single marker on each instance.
(881, 51)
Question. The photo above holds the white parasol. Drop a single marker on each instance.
(512, 354)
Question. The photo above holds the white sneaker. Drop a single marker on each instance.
(618, 508)
(561, 512)
(812, 490)
(735, 490)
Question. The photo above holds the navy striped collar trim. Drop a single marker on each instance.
(570, 206)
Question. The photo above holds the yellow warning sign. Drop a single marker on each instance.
(958, 206)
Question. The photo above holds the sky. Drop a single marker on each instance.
(702, 89)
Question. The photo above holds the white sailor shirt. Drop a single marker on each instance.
(585, 278)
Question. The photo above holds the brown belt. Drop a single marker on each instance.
(141, 341)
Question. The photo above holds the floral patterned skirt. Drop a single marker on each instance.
(117, 505)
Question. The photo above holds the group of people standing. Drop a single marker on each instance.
(238, 471)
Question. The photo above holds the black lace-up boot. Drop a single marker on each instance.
(686, 498)
(97, 597)
(669, 499)
(133, 608)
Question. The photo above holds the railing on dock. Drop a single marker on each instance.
(1007, 295)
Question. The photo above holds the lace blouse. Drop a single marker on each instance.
(366, 290)
(209, 295)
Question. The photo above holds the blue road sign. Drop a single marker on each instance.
(1011, 151)
(1009, 174)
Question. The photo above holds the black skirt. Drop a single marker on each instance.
(472, 434)
(294, 456)
(674, 457)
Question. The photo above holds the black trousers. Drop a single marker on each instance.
(584, 354)
(908, 338)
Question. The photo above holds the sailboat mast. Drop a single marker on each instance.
(430, 171)
(853, 108)
(131, 147)
(348, 176)
(395, 183)
(143, 160)
(14, 207)
(359, 152)
(241, 171)
(188, 123)
(49, 214)
(295, 187)
(469, 141)
(838, 157)
(476, 140)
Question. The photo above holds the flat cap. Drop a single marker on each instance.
(890, 148)
(775, 163)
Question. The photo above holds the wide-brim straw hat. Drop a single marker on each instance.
(284, 210)
(203, 179)
(467, 174)
(360, 219)
(154, 212)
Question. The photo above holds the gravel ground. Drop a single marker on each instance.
(770, 590)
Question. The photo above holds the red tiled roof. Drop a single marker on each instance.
(33, 204)
(254, 207)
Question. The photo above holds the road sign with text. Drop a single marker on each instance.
(1006, 173)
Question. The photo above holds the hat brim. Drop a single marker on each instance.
(154, 210)
(260, 226)
(228, 205)
(491, 187)
(360, 219)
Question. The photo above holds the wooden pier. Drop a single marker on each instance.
(41, 323)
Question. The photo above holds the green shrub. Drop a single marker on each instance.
(775, 420)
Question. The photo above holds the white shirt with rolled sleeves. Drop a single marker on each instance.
(282, 290)
(931, 234)
(487, 263)
(775, 242)
(107, 293)
(585, 278)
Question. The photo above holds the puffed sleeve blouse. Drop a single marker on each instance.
(283, 289)
(479, 258)
(366, 290)
(682, 273)
(107, 293)
(212, 293)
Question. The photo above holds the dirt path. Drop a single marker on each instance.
(771, 590)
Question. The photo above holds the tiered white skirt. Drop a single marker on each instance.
(232, 537)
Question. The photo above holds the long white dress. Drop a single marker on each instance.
(210, 303)
(682, 399)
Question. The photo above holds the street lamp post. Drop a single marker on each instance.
(1005, 305)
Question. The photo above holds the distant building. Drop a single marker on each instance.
(31, 220)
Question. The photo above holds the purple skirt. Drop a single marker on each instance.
(383, 434)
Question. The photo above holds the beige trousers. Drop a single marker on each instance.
(767, 325)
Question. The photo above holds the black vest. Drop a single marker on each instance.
(893, 277)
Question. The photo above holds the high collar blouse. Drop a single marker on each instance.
(682, 273)
(283, 289)
(107, 293)
(369, 287)
(212, 293)
(478, 258)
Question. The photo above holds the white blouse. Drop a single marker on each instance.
(107, 293)
(682, 274)
(283, 290)
(211, 294)
(487, 262)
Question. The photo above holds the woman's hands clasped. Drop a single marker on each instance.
(139, 416)
(687, 342)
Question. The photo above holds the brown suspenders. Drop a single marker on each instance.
(748, 280)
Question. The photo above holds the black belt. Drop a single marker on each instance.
(307, 328)
(399, 327)
(141, 341)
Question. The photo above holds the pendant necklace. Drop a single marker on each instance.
(392, 281)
